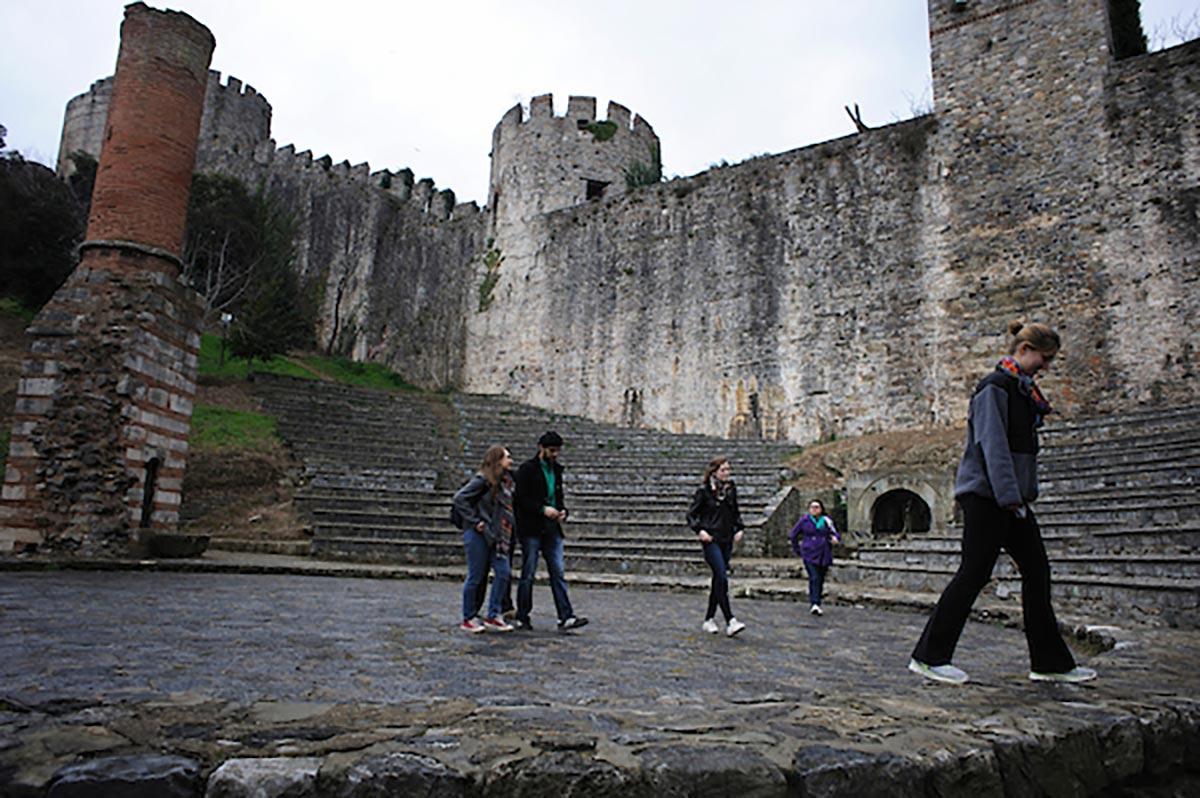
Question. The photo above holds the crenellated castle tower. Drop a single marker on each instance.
(236, 119)
(544, 162)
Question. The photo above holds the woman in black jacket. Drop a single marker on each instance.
(715, 518)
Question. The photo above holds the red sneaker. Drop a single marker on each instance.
(497, 625)
(472, 626)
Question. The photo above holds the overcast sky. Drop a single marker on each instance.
(422, 84)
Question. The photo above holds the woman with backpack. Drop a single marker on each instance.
(812, 538)
(483, 509)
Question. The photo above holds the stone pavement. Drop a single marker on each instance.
(228, 684)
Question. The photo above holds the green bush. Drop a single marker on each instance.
(602, 131)
(639, 174)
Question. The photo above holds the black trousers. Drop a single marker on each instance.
(987, 528)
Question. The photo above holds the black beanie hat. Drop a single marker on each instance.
(550, 438)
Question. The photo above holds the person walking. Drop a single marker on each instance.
(995, 485)
(812, 538)
(540, 515)
(715, 518)
(484, 510)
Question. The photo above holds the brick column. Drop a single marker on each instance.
(103, 409)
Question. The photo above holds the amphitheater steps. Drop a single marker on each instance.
(381, 477)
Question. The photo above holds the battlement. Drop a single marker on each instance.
(581, 112)
(234, 90)
(401, 184)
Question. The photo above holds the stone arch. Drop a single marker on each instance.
(864, 490)
(900, 511)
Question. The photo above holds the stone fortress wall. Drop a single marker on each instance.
(864, 284)
(857, 285)
(388, 253)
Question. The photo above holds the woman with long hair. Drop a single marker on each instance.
(995, 485)
(484, 507)
(715, 518)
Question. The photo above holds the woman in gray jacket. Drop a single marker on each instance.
(484, 510)
(995, 486)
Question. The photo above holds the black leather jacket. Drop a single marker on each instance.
(721, 519)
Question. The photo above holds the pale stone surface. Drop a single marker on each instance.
(265, 777)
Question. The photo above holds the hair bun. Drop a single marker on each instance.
(1015, 326)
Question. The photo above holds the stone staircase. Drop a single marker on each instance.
(1119, 512)
(381, 469)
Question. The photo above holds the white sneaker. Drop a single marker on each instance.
(1076, 674)
(816, 610)
(939, 673)
(710, 626)
(734, 627)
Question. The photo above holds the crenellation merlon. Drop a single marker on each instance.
(581, 109)
(643, 129)
(422, 194)
(621, 116)
(465, 210)
(541, 106)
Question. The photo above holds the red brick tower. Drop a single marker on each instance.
(104, 405)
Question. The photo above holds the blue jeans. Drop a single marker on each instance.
(816, 581)
(717, 555)
(551, 547)
(479, 556)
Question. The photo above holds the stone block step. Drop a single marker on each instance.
(293, 548)
(1133, 513)
(1164, 441)
(446, 553)
(439, 515)
(1143, 565)
(1144, 477)
(1186, 453)
(1183, 493)
(1132, 424)
(600, 530)
(1110, 591)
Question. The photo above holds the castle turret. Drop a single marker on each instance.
(236, 119)
(544, 162)
(100, 426)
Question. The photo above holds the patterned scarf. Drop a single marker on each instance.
(504, 502)
(720, 489)
(1027, 387)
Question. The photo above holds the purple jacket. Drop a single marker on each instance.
(812, 543)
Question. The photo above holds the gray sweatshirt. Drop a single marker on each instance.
(989, 466)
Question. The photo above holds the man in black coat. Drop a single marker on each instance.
(540, 513)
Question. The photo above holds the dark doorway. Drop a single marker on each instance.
(900, 512)
(149, 487)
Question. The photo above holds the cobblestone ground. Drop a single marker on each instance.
(216, 666)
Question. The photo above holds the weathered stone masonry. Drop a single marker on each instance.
(853, 286)
(102, 416)
(863, 284)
